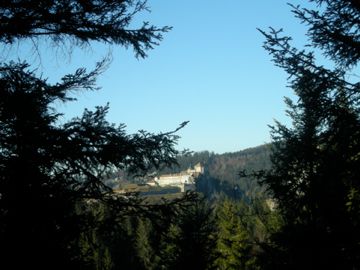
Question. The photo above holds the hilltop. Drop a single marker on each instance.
(221, 172)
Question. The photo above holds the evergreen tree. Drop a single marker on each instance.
(47, 169)
(233, 241)
(315, 173)
(144, 250)
(190, 242)
(95, 254)
(78, 22)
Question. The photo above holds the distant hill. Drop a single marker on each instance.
(222, 171)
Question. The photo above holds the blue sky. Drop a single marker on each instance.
(210, 70)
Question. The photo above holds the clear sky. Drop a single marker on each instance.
(210, 70)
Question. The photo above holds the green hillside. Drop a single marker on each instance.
(222, 171)
(221, 176)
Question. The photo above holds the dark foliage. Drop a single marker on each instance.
(79, 22)
(50, 171)
(47, 168)
(315, 173)
(221, 174)
(190, 241)
(334, 29)
(167, 235)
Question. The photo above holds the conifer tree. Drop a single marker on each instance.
(190, 241)
(315, 172)
(233, 241)
(78, 22)
(144, 250)
(46, 168)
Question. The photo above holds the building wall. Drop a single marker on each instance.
(199, 168)
(185, 180)
(174, 179)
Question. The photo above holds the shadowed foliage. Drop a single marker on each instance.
(49, 170)
(78, 21)
(315, 173)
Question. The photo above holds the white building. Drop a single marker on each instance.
(184, 180)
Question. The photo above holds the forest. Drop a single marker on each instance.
(222, 172)
(290, 204)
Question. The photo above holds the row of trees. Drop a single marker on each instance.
(225, 235)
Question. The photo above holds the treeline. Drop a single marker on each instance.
(222, 173)
(227, 234)
(223, 227)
